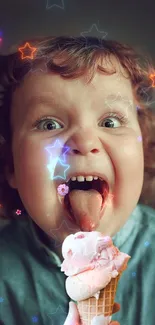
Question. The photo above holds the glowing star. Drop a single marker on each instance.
(52, 166)
(55, 3)
(27, 47)
(18, 212)
(64, 228)
(94, 30)
(146, 244)
(63, 189)
(34, 319)
(110, 102)
(152, 77)
(58, 145)
(54, 159)
(133, 274)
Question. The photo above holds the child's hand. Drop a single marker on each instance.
(74, 319)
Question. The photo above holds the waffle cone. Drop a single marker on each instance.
(92, 307)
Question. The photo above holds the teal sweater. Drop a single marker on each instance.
(32, 287)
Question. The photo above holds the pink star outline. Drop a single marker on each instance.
(58, 230)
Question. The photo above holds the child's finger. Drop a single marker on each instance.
(73, 315)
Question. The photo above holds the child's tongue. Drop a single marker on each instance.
(86, 207)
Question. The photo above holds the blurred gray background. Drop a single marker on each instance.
(132, 22)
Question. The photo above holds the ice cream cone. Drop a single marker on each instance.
(92, 307)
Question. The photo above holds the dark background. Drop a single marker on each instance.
(128, 21)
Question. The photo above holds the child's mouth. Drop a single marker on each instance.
(85, 202)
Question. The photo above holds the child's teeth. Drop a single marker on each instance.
(82, 178)
(89, 178)
(73, 178)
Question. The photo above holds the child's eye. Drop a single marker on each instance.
(47, 124)
(109, 123)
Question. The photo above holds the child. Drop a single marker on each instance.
(54, 103)
(148, 190)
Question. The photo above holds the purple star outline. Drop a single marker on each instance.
(53, 161)
(59, 145)
(101, 34)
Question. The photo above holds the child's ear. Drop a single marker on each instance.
(10, 177)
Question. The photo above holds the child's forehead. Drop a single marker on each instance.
(41, 88)
(46, 81)
(58, 89)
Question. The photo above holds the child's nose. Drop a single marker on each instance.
(84, 142)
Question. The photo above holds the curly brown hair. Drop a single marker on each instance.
(70, 57)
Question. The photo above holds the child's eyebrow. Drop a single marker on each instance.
(49, 100)
(37, 99)
(41, 99)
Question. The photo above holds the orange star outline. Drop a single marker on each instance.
(152, 77)
(27, 46)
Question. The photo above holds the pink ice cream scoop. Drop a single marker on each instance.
(90, 262)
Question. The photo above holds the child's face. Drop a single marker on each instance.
(78, 111)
